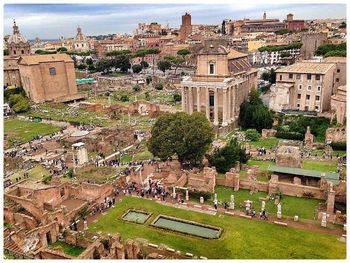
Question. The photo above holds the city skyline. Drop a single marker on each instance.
(62, 19)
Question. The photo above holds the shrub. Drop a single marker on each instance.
(159, 86)
(147, 96)
(136, 68)
(18, 103)
(136, 88)
(252, 135)
(144, 64)
(70, 173)
(124, 98)
(81, 66)
(47, 179)
(339, 146)
(177, 97)
(308, 195)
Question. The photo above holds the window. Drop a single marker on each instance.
(307, 96)
(318, 77)
(14, 52)
(22, 51)
(52, 71)
(317, 97)
(300, 86)
(211, 100)
(337, 79)
(211, 69)
(280, 77)
(309, 87)
(316, 108)
(299, 96)
(298, 76)
(308, 76)
(290, 75)
(338, 70)
(298, 105)
(318, 88)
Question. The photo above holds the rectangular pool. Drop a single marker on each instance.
(136, 216)
(187, 227)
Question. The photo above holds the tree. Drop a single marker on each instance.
(103, 65)
(328, 50)
(175, 61)
(254, 114)
(144, 64)
(342, 25)
(147, 96)
(137, 68)
(122, 62)
(116, 53)
(91, 68)
(62, 49)
(164, 65)
(183, 53)
(226, 157)
(187, 136)
(124, 98)
(269, 76)
(18, 103)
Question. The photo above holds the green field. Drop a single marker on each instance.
(291, 206)
(263, 165)
(323, 166)
(38, 172)
(24, 131)
(267, 143)
(241, 238)
(68, 249)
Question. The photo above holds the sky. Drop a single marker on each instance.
(50, 21)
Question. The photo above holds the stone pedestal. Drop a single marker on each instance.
(262, 205)
(232, 203)
(201, 200)
(85, 225)
(279, 211)
(174, 193)
(296, 218)
(187, 196)
(215, 197)
(324, 220)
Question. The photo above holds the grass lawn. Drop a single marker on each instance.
(323, 166)
(241, 238)
(68, 249)
(291, 206)
(24, 131)
(98, 175)
(267, 143)
(36, 173)
(263, 165)
(126, 158)
(145, 155)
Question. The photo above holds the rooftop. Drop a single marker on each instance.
(335, 59)
(235, 54)
(330, 176)
(36, 59)
(307, 67)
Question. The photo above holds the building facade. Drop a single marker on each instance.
(303, 86)
(48, 77)
(214, 90)
(186, 27)
(311, 41)
(81, 42)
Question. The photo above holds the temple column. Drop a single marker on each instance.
(229, 105)
(183, 99)
(190, 101)
(233, 103)
(207, 105)
(224, 107)
(216, 107)
(198, 99)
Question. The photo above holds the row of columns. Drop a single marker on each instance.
(228, 103)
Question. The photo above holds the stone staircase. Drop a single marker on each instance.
(13, 248)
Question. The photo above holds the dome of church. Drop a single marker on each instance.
(16, 37)
(80, 37)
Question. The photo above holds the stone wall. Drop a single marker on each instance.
(336, 134)
(266, 133)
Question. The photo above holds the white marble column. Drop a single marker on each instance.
(216, 107)
(198, 99)
(207, 105)
(183, 99)
(224, 107)
(190, 100)
(229, 105)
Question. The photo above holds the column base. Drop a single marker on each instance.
(216, 123)
(224, 124)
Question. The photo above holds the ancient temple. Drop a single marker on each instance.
(216, 89)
